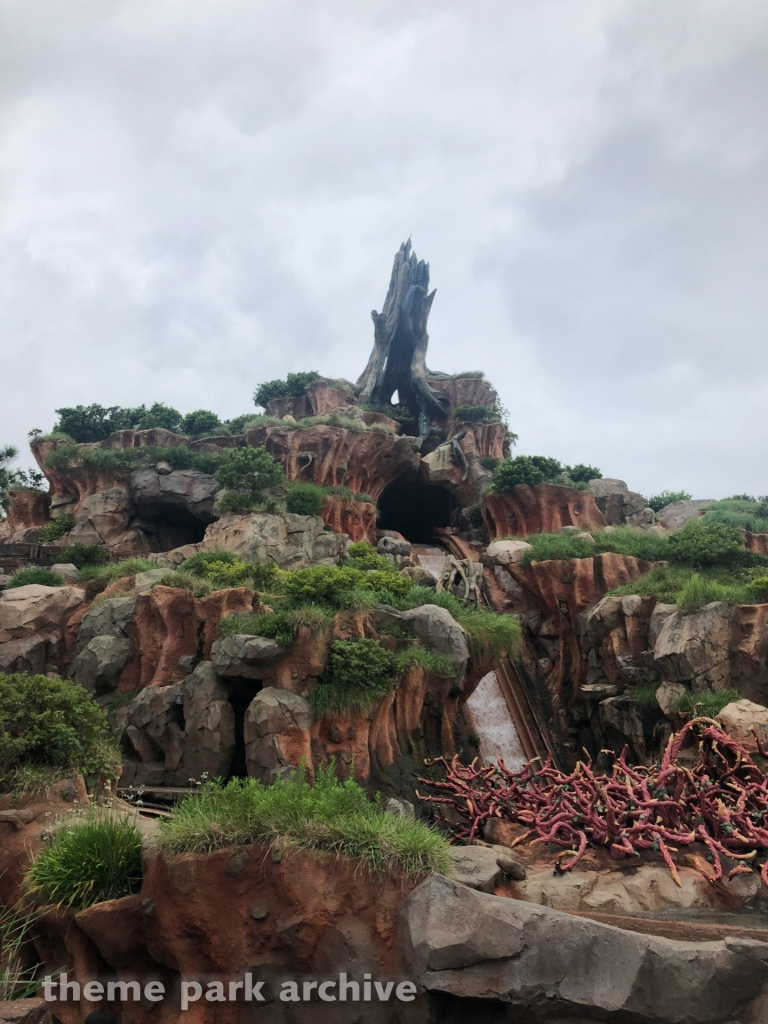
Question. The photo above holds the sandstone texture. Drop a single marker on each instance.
(619, 505)
(545, 508)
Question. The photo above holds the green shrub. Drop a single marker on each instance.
(663, 582)
(88, 423)
(536, 469)
(330, 816)
(358, 673)
(245, 503)
(88, 862)
(238, 424)
(51, 724)
(625, 541)
(81, 555)
(659, 501)
(248, 469)
(222, 569)
(202, 423)
(644, 695)
(475, 413)
(363, 555)
(439, 664)
(491, 637)
(742, 512)
(702, 543)
(57, 527)
(490, 463)
(281, 626)
(43, 577)
(305, 499)
(582, 474)
(293, 385)
(336, 585)
(758, 590)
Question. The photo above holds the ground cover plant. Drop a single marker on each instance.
(50, 728)
(44, 577)
(89, 860)
(292, 386)
(706, 704)
(721, 802)
(328, 815)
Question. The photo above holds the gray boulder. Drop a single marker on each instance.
(103, 518)
(544, 964)
(36, 609)
(244, 656)
(107, 618)
(277, 725)
(695, 649)
(178, 732)
(36, 654)
(619, 505)
(394, 546)
(186, 489)
(674, 516)
(435, 627)
(475, 866)
(98, 666)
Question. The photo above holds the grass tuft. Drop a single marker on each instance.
(43, 577)
(96, 859)
(330, 816)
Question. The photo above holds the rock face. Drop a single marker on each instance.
(695, 649)
(178, 732)
(288, 541)
(545, 508)
(746, 722)
(186, 489)
(357, 519)
(277, 734)
(98, 666)
(544, 963)
(245, 656)
(674, 516)
(36, 609)
(619, 505)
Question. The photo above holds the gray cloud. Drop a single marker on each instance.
(199, 197)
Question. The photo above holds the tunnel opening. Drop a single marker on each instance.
(415, 509)
(241, 693)
(167, 527)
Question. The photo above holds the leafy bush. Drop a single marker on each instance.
(363, 555)
(702, 543)
(88, 423)
(293, 385)
(202, 423)
(17, 478)
(758, 590)
(221, 569)
(487, 462)
(44, 577)
(707, 704)
(238, 424)
(537, 469)
(305, 499)
(659, 501)
(81, 555)
(248, 469)
(111, 460)
(57, 527)
(582, 474)
(337, 586)
(51, 723)
(475, 413)
(88, 862)
(425, 657)
(330, 816)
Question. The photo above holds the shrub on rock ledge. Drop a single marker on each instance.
(43, 577)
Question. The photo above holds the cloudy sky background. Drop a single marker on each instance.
(196, 197)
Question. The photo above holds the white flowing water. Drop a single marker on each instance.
(487, 707)
(430, 558)
(493, 724)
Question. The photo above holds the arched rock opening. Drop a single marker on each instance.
(415, 509)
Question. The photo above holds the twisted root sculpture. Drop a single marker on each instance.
(400, 339)
(463, 578)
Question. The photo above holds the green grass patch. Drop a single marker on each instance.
(96, 859)
(113, 571)
(44, 577)
(328, 816)
(741, 513)
(700, 590)
(625, 541)
(707, 704)
(223, 569)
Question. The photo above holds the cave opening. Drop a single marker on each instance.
(415, 509)
(167, 527)
(241, 693)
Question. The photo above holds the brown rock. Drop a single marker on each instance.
(545, 508)
(355, 518)
(744, 720)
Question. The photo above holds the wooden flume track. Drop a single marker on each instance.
(532, 736)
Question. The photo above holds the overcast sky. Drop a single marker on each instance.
(197, 196)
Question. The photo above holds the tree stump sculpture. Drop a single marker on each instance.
(400, 339)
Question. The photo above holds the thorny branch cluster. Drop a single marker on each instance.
(722, 802)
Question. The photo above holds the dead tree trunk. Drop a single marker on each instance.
(400, 340)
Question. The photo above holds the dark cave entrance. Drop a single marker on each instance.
(167, 527)
(241, 693)
(415, 509)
